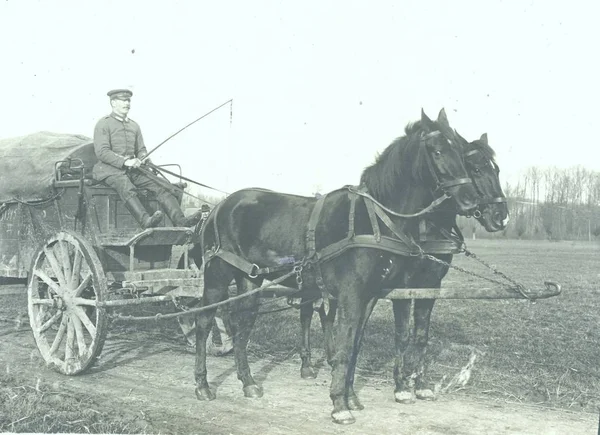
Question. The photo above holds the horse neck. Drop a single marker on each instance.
(409, 200)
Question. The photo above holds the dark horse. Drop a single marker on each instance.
(334, 244)
(491, 212)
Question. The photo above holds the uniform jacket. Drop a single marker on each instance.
(115, 140)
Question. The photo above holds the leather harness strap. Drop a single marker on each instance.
(373, 219)
(312, 227)
(353, 197)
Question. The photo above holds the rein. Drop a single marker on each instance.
(434, 204)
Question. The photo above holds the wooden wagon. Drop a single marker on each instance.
(78, 246)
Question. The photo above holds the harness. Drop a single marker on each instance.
(401, 244)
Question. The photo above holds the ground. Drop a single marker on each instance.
(152, 378)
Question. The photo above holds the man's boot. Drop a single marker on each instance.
(140, 214)
(173, 210)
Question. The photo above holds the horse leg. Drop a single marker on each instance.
(243, 317)
(404, 391)
(215, 290)
(423, 309)
(351, 311)
(307, 371)
(353, 402)
(327, 319)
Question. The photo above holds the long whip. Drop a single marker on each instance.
(191, 123)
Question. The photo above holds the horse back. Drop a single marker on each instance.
(266, 227)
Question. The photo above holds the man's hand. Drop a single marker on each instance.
(133, 162)
(147, 162)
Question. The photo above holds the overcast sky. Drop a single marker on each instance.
(318, 87)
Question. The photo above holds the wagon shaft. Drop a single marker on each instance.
(551, 289)
(456, 291)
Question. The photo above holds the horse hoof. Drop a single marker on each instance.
(308, 373)
(343, 417)
(404, 397)
(354, 404)
(253, 391)
(425, 394)
(205, 394)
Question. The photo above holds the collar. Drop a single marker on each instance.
(118, 118)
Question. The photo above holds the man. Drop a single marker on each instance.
(205, 210)
(120, 150)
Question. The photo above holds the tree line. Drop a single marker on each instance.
(549, 203)
(544, 203)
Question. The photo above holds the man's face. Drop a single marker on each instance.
(121, 107)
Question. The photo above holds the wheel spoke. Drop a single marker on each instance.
(59, 335)
(84, 284)
(50, 322)
(79, 334)
(76, 268)
(55, 266)
(79, 312)
(51, 283)
(70, 340)
(66, 261)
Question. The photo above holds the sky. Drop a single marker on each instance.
(318, 87)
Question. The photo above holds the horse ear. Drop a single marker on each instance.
(425, 120)
(442, 118)
(484, 138)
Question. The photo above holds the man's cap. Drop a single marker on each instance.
(120, 94)
(205, 207)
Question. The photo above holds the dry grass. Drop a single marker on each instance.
(40, 408)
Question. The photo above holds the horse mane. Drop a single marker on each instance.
(396, 167)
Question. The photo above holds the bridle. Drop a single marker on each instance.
(442, 186)
(483, 200)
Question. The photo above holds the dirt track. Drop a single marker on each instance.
(153, 379)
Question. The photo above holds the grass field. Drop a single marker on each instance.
(545, 353)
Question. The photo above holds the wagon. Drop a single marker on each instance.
(83, 253)
(79, 248)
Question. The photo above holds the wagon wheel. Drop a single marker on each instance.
(66, 283)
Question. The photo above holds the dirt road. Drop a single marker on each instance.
(152, 377)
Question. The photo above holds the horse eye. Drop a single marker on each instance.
(477, 171)
(437, 153)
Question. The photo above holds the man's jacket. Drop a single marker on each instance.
(116, 140)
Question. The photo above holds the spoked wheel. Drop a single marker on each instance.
(65, 285)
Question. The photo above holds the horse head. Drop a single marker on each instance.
(492, 208)
(445, 161)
